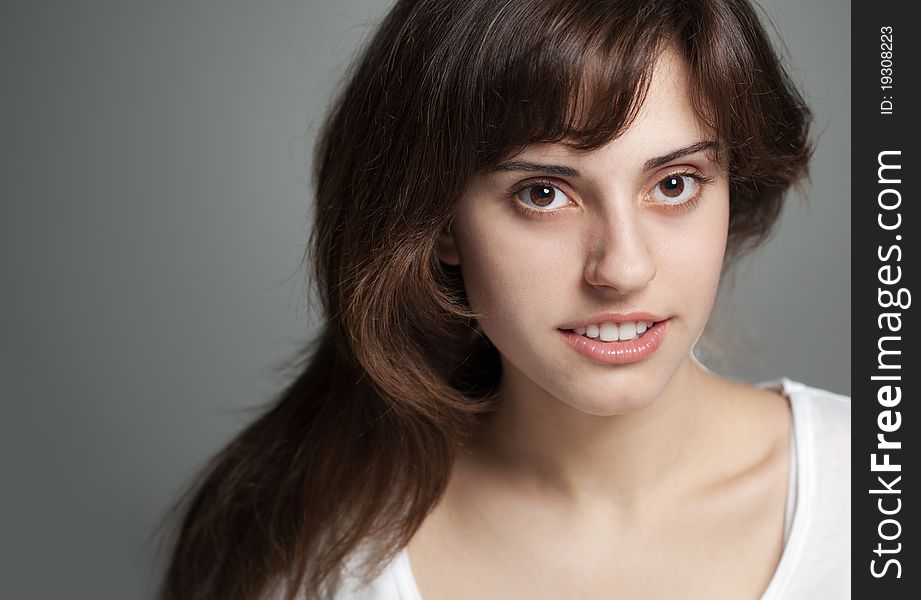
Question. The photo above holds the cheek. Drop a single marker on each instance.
(509, 271)
(694, 251)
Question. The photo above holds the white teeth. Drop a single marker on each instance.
(627, 330)
(609, 332)
(612, 332)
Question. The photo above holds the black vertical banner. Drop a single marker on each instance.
(886, 374)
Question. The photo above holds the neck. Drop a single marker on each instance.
(540, 442)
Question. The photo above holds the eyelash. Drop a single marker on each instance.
(701, 179)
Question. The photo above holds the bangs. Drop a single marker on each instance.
(569, 72)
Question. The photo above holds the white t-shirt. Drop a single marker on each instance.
(816, 556)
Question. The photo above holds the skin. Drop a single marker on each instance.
(653, 479)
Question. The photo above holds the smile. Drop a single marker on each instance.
(617, 343)
(613, 332)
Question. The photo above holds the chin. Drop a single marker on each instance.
(617, 402)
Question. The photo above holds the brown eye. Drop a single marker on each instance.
(541, 195)
(676, 189)
(672, 186)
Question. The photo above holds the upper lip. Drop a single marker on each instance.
(615, 317)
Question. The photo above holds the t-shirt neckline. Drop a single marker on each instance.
(801, 457)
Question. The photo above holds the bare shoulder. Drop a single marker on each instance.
(753, 410)
(752, 429)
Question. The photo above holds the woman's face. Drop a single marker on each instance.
(556, 241)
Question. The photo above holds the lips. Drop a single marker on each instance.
(634, 348)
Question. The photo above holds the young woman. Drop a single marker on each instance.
(524, 209)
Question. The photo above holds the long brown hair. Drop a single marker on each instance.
(353, 455)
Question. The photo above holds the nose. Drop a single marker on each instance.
(619, 258)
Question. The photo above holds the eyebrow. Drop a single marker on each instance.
(658, 161)
(518, 165)
(652, 163)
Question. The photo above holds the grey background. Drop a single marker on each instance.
(153, 213)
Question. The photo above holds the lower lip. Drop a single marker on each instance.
(618, 353)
